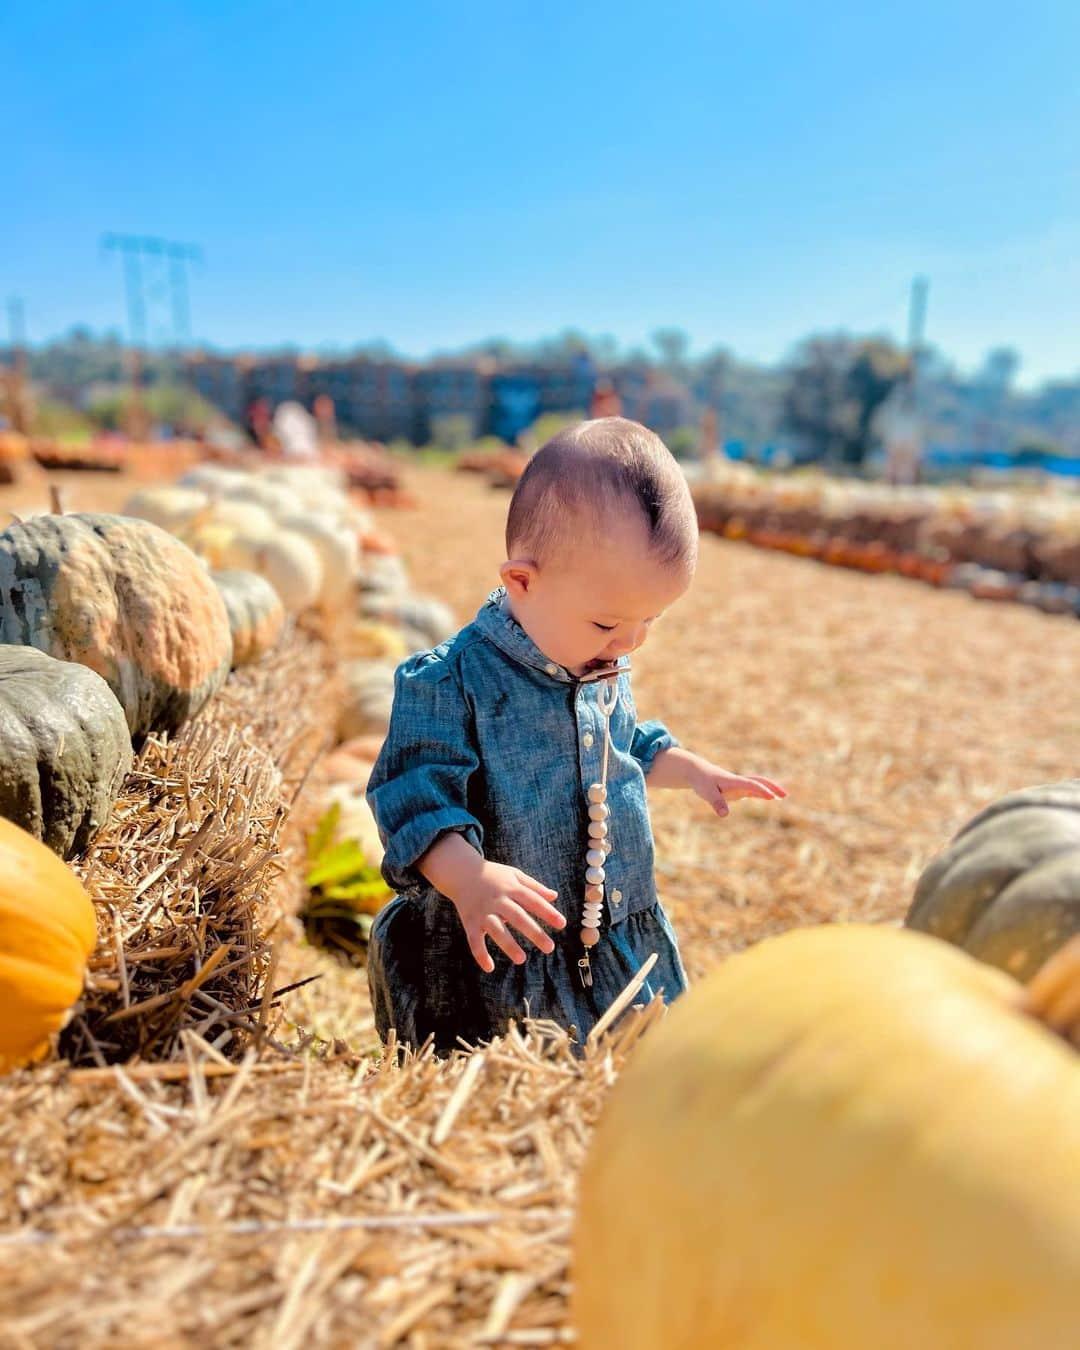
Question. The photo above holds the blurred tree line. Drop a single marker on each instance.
(823, 400)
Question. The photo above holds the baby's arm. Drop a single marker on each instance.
(490, 898)
(419, 792)
(677, 767)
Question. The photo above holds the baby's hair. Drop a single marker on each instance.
(591, 469)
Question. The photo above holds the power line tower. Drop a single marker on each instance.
(153, 268)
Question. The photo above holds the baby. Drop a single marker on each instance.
(490, 786)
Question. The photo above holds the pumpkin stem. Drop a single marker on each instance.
(56, 506)
(1053, 995)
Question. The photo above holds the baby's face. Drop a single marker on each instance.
(597, 601)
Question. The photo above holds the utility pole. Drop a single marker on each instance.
(905, 438)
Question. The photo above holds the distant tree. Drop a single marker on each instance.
(835, 386)
(674, 348)
(999, 368)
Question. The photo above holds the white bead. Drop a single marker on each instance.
(590, 920)
(595, 857)
(593, 894)
(597, 792)
(598, 811)
(589, 937)
(597, 829)
(591, 907)
(594, 876)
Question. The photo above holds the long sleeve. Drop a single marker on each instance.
(648, 740)
(418, 790)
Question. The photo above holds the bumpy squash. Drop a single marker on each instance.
(124, 598)
(1007, 889)
(65, 748)
(844, 1138)
(256, 614)
(47, 932)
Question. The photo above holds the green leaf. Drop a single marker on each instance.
(362, 889)
(340, 862)
(323, 832)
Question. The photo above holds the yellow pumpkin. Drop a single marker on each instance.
(47, 932)
(847, 1138)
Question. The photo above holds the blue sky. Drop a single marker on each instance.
(435, 173)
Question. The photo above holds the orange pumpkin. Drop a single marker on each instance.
(47, 932)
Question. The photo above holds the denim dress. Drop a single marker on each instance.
(491, 739)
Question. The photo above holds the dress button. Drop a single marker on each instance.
(616, 897)
(552, 668)
(587, 740)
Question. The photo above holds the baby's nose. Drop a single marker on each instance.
(628, 642)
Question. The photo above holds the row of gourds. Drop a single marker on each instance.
(116, 627)
(1003, 545)
(854, 1136)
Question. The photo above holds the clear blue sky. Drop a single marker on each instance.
(434, 173)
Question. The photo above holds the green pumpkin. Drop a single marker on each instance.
(1007, 889)
(64, 748)
(256, 614)
(126, 599)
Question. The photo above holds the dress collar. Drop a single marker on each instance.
(497, 623)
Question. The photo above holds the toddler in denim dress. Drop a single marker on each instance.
(510, 790)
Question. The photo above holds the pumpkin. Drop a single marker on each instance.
(369, 696)
(420, 613)
(240, 517)
(213, 479)
(256, 614)
(47, 932)
(1007, 888)
(288, 561)
(338, 551)
(171, 507)
(124, 598)
(65, 748)
(356, 821)
(384, 574)
(275, 498)
(376, 641)
(846, 1137)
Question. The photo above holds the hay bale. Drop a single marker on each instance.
(185, 874)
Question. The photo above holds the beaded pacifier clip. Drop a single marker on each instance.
(599, 831)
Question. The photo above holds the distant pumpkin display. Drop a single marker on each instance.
(125, 598)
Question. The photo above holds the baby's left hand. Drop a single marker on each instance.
(717, 787)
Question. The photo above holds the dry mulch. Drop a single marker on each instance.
(304, 1199)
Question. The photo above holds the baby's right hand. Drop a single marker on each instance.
(499, 898)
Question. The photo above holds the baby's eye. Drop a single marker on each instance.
(605, 627)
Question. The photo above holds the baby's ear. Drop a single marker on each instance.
(518, 576)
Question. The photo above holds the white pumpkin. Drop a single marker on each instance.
(167, 505)
(288, 561)
(240, 516)
(337, 549)
(273, 497)
(212, 478)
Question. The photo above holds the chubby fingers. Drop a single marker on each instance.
(535, 898)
